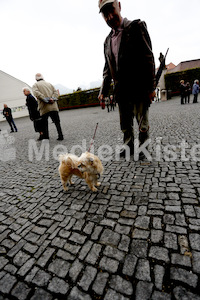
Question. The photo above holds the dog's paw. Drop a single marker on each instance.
(71, 182)
(65, 189)
(98, 183)
(94, 189)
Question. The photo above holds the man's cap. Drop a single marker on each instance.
(104, 2)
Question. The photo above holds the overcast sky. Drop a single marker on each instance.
(63, 39)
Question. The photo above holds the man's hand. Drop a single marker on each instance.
(151, 96)
(51, 101)
(100, 97)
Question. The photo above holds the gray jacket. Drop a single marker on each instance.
(195, 89)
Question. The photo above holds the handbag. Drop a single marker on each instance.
(38, 125)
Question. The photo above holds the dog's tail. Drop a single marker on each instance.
(62, 157)
(66, 159)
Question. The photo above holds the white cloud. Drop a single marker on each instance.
(64, 39)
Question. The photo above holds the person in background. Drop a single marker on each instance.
(9, 118)
(34, 114)
(129, 61)
(195, 90)
(187, 92)
(112, 103)
(47, 97)
(157, 94)
(183, 92)
(107, 103)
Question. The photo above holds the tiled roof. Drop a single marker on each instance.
(169, 66)
(184, 65)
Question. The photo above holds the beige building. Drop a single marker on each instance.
(12, 95)
(161, 83)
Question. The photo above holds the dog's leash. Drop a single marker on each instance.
(93, 137)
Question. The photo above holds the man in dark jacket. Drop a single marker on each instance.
(183, 92)
(34, 114)
(129, 62)
(9, 118)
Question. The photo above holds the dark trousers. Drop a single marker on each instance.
(188, 98)
(195, 98)
(12, 124)
(55, 119)
(127, 113)
(112, 107)
(183, 99)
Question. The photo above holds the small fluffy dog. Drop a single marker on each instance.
(88, 166)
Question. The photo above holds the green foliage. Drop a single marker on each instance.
(80, 99)
(172, 80)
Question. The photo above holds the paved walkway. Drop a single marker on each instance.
(136, 238)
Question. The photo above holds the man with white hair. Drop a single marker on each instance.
(129, 62)
(34, 114)
(195, 90)
(47, 96)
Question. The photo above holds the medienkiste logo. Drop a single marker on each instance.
(7, 151)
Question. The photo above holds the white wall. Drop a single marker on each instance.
(12, 95)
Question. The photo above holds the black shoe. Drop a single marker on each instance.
(60, 138)
(141, 156)
(11, 131)
(40, 138)
(122, 153)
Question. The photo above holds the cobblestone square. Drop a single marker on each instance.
(138, 237)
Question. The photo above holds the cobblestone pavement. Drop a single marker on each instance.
(136, 238)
